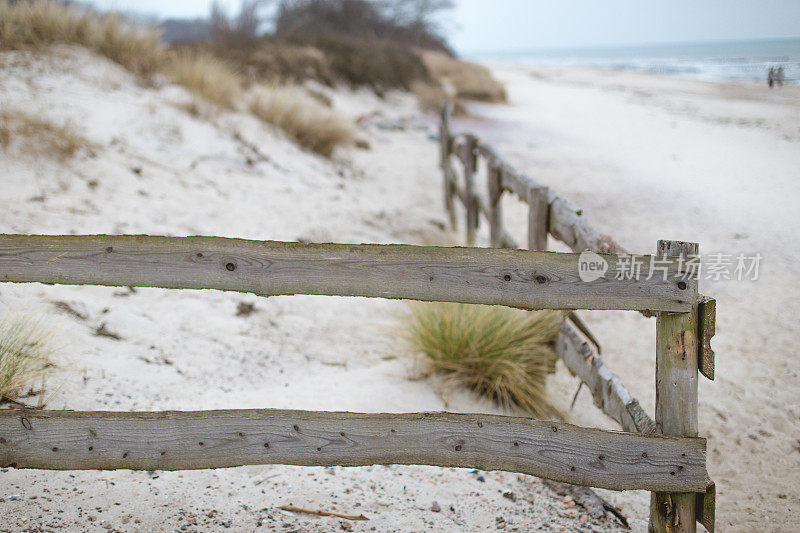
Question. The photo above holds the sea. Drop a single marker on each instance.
(722, 60)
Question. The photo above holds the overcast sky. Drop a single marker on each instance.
(500, 25)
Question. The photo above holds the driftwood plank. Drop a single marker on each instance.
(608, 392)
(515, 278)
(67, 440)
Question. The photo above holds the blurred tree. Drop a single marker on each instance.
(244, 26)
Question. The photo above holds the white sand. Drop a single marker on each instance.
(605, 140)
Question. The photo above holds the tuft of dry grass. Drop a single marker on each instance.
(302, 118)
(37, 24)
(207, 77)
(25, 351)
(468, 81)
(501, 353)
(39, 136)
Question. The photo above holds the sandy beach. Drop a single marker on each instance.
(647, 158)
(651, 157)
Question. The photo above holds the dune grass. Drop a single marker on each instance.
(500, 353)
(310, 123)
(38, 136)
(207, 77)
(468, 81)
(25, 351)
(37, 24)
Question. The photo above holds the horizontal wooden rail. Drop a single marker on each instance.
(609, 394)
(68, 440)
(516, 278)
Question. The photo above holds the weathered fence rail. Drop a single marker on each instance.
(214, 439)
(516, 278)
(683, 337)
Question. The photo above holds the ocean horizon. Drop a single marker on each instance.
(721, 60)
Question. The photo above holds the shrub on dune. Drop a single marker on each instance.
(25, 351)
(469, 81)
(302, 118)
(500, 353)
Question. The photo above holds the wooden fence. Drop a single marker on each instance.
(683, 337)
(664, 456)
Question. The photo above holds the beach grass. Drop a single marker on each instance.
(35, 135)
(500, 353)
(26, 347)
(304, 119)
(207, 77)
(37, 24)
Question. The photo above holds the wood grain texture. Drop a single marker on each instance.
(705, 505)
(468, 157)
(608, 392)
(515, 278)
(69, 440)
(706, 328)
(676, 396)
(538, 211)
(495, 215)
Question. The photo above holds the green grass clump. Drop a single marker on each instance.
(25, 350)
(500, 353)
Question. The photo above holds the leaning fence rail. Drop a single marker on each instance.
(683, 343)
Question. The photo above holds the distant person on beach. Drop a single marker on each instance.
(771, 77)
(779, 76)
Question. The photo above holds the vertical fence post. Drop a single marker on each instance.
(676, 396)
(495, 204)
(538, 215)
(446, 147)
(470, 162)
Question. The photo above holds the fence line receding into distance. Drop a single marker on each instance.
(683, 338)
